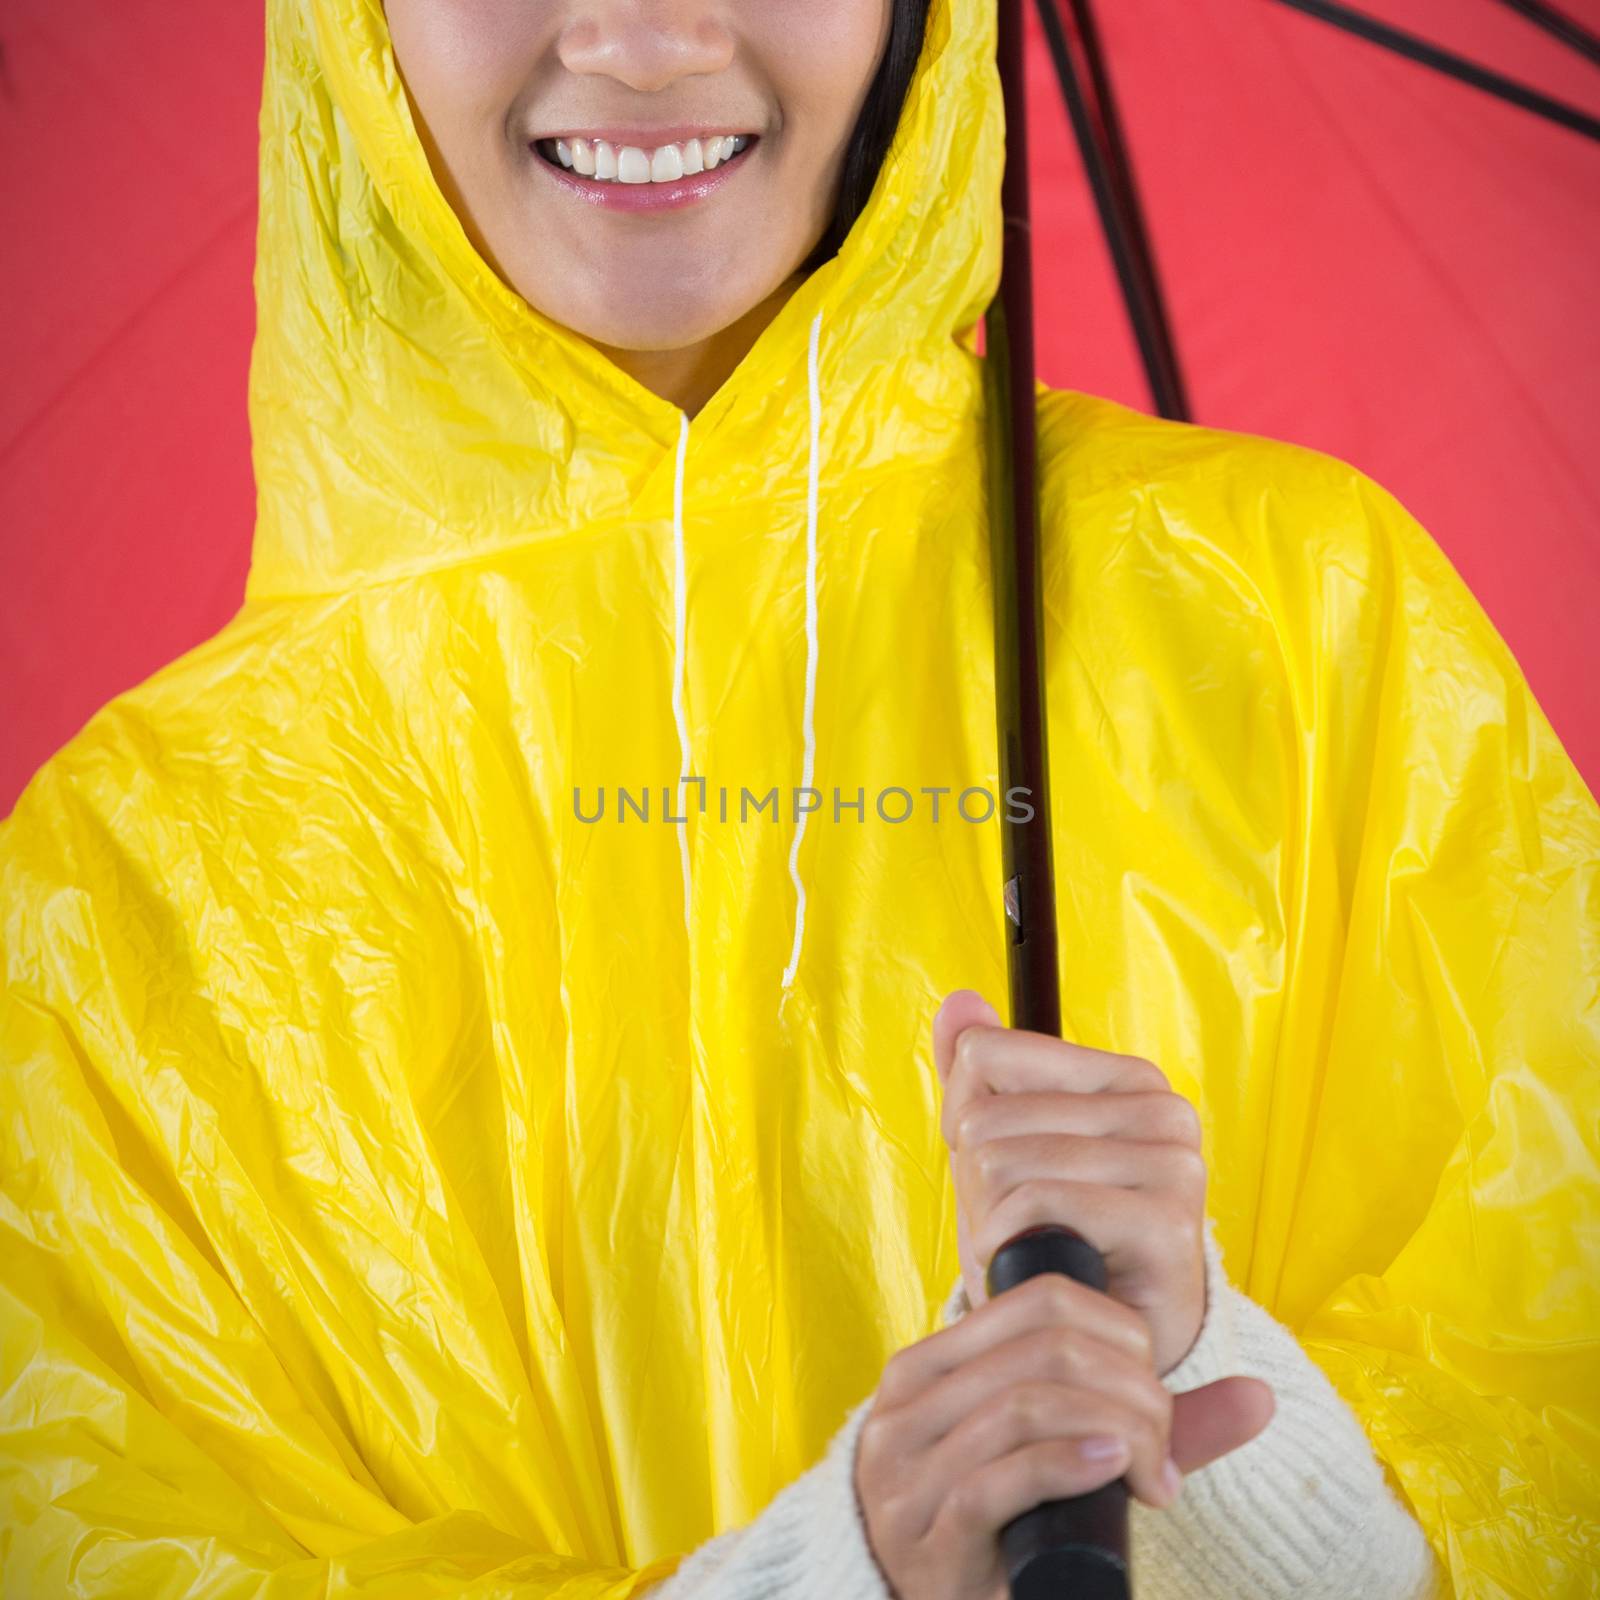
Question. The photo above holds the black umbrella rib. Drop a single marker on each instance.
(1098, 131)
(1454, 66)
(1572, 34)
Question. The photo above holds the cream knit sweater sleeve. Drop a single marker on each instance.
(1301, 1512)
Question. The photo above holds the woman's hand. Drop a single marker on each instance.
(1045, 1131)
(989, 1417)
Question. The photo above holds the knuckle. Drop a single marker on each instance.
(968, 1051)
(1170, 1117)
(1155, 1405)
(1057, 1296)
(1173, 1221)
(965, 1499)
(1149, 1073)
(989, 1164)
(1163, 1408)
(1140, 1336)
(1189, 1168)
(1065, 1359)
(1016, 1408)
(894, 1385)
(1187, 1127)
(873, 1442)
(893, 1508)
(968, 1122)
(1189, 1234)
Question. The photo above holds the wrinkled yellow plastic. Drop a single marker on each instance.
(406, 1194)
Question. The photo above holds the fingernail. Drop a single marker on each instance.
(1171, 1478)
(1101, 1447)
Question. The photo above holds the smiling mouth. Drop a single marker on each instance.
(602, 162)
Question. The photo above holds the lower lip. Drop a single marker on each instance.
(646, 196)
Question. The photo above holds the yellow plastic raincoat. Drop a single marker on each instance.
(412, 1185)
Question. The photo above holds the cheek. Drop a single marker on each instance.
(822, 56)
(463, 62)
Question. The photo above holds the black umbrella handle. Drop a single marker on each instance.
(1076, 1547)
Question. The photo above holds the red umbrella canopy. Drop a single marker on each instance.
(128, 192)
(1362, 255)
(1357, 254)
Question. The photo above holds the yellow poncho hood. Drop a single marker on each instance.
(409, 1183)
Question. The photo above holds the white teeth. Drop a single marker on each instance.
(606, 162)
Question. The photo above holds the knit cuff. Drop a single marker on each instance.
(1303, 1509)
(809, 1544)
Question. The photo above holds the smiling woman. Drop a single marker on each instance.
(657, 180)
(417, 1181)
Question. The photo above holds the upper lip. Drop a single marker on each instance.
(647, 138)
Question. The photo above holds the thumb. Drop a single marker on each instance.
(1210, 1421)
(962, 1009)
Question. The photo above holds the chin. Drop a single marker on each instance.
(664, 322)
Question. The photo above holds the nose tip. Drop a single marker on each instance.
(647, 48)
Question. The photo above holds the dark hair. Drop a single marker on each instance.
(875, 127)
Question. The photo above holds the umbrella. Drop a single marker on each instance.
(1081, 1544)
(1077, 1545)
(1368, 230)
(1080, 67)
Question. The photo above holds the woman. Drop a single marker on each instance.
(471, 1125)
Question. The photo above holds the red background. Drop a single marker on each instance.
(1359, 256)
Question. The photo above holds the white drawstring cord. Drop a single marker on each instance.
(679, 612)
(807, 728)
(679, 608)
